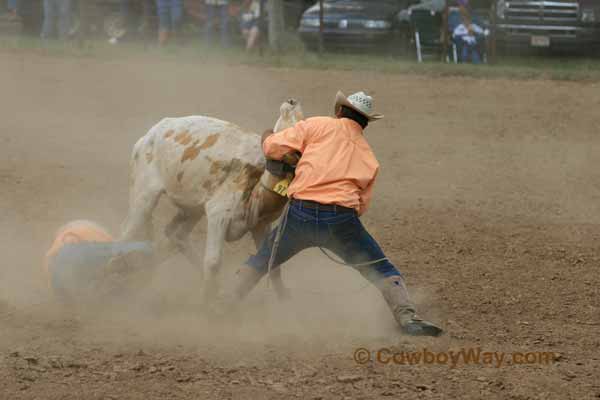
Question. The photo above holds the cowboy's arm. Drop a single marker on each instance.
(366, 195)
(291, 140)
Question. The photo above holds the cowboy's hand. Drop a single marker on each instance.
(266, 134)
(292, 158)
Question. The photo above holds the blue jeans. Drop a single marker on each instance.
(124, 10)
(57, 14)
(470, 52)
(129, 16)
(341, 233)
(170, 14)
(78, 268)
(214, 12)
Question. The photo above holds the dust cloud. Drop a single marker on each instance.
(488, 202)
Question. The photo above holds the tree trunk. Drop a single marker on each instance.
(321, 27)
(276, 24)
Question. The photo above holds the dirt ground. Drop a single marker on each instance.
(488, 201)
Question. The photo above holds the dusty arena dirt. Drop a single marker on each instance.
(488, 201)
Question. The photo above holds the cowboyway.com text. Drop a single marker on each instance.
(452, 358)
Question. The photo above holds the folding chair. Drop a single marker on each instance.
(426, 25)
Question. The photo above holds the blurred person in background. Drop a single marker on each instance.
(146, 10)
(194, 9)
(217, 9)
(31, 15)
(250, 23)
(57, 18)
(127, 22)
(126, 14)
(468, 35)
(11, 6)
(132, 14)
(170, 15)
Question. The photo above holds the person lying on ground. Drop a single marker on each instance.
(86, 265)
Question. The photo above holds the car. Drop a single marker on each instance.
(353, 24)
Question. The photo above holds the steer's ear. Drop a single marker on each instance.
(266, 134)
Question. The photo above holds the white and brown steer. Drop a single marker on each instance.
(210, 167)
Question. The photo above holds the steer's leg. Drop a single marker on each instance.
(138, 225)
(178, 232)
(218, 216)
(145, 189)
(144, 198)
(259, 233)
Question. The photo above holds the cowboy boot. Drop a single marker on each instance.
(396, 296)
(247, 279)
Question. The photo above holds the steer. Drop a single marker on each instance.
(206, 167)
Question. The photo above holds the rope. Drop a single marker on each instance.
(365, 264)
(268, 188)
(278, 235)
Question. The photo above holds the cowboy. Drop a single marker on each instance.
(331, 189)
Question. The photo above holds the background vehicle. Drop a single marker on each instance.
(353, 24)
(556, 24)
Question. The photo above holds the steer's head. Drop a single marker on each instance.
(265, 205)
(290, 112)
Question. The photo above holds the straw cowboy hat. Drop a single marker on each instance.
(359, 102)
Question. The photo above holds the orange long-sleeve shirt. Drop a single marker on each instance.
(75, 232)
(337, 164)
